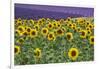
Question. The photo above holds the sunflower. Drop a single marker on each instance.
(64, 29)
(33, 33)
(21, 28)
(37, 53)
(60, 32)
(61, 21)
(20, 41)
(48, 19)
(43, 20)
(89, 32)
(31, 21)
(80, 20)
(19, 21)
(55, 24)
(17, 32)
(40, 22)
(74, 24)
(68, 19)
(78, 29)
(87, 23)
(44, 31)
(17, 50)
(83, 33)
(37, 27)
(28, 29)
(87, 28)
(91, 39)
(50, 26)
(74, 27)
(91, 26)
(73, 53)
(70, 25)
(69, 36)
(58, 24)
(25, 33)
(24, 21)
(51, 36)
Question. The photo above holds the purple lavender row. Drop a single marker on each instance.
(56, 12)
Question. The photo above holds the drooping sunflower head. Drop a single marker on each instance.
(69, 36)
(33, 33)
(83, 33)
(73, 53)
(37, 53)
(44, 31)
(51, 36)
(16, 49)
(91, 39)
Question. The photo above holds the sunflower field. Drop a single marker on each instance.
(48, 40)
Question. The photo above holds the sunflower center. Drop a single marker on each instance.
(50, 36)
(90, 26)
(15, 50)
(74, 27)
(28, 30)
(68, 36)
(38, 53)
(33, 33)
(70, 25)
(44, 31)
(20, 29)
(21, 40)
(54, 24)
(88, 32)
(87, 23)
(59, 31)
(92, 39)
(58, 25)
(50, 26)
(83, 33)
(73, 53)
(25, 33)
